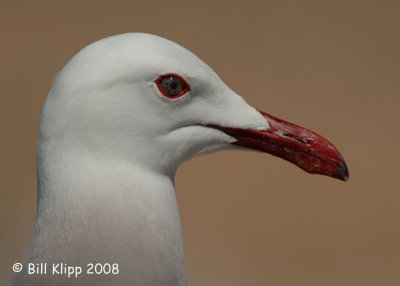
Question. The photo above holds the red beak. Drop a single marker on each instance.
(304, 148)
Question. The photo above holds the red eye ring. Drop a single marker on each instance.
(172, 85)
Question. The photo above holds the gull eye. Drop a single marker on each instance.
(172, 85)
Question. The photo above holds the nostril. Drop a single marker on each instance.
(301, 140)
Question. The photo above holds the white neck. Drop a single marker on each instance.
(94, 209)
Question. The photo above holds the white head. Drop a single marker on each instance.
(106, 99)
(109, 99)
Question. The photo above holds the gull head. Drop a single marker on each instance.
(146, 100)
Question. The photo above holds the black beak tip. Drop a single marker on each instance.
(343, 173)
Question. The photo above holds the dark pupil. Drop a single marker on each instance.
(172, 86)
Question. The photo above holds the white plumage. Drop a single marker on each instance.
(108, 149)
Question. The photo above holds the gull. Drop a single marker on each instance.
(120, 118)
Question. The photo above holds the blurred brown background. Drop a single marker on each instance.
(248, 218)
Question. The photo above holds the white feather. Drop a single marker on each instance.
(108, 149)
